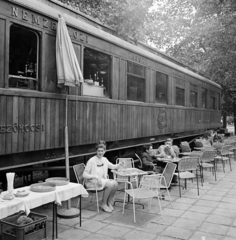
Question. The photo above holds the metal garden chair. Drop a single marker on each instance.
(185, 148)
(79, 170)
(126, 163)
(185, 167)
(233, 148)
(148, 189)
(166, 178)
(224, 156)
(207, 160)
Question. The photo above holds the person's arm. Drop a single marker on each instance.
(113, 166)
(161, 151)
(172, 152)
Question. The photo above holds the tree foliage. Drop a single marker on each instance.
(202, 35)
(198, 33)
(127, 17)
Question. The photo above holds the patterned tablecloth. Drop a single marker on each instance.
(126, 172)
(36, 199)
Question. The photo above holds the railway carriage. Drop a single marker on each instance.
(131, 94)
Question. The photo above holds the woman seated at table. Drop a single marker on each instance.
(167, 150)
(96, 171)
(148, 159)
(218, 137)
(207, 138)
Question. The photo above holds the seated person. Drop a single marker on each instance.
(167, 150)
(96, 171)
(207, 138)
(148, 159)
(218, 137)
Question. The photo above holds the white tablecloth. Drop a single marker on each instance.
(36, 199)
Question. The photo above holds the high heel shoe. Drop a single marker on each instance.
(106, 208)
(111, 207)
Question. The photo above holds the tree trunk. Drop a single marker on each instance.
(224, 120)
(234, 107)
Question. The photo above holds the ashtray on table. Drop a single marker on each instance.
(58, 181)
(21, 193)
(8, 196)
(43, 187)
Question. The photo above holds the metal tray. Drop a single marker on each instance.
(58, 181)
(43, 187)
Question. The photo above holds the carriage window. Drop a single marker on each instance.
(161, 87)
(212, 100)
(135, 82)
(180, 96)
(193, 95)
(204, 98)
(193, 99)
(23, 58)
(212, 103)
(219, 102)
(97, 72)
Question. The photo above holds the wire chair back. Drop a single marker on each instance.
(126, 162)
(225, 149)
(79, 170)
(208, 156)
(168, 174)
(233, 144)
(188, 164)
(140, 165)
(150, 182)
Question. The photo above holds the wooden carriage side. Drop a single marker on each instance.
(33, 119)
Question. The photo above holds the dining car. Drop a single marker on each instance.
(131, 94)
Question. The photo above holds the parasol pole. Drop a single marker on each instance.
(69, 212)
(68, 72)
(67, 165)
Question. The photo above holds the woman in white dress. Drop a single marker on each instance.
(96, 171)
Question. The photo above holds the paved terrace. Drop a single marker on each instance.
(209, 216)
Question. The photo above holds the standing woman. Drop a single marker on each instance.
(96, 171)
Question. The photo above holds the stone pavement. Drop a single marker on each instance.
(209, 216)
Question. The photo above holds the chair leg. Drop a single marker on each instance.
(97, 201)
(223, 164)
(230, 164)
(197, 183)
(169, 196)
(158, 198)
(202, 175)
(134, 210)
(124, 203)
(215, 169)
(179, 185)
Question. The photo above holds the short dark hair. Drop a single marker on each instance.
(101, 144)
(147, 146)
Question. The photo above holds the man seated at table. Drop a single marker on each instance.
(167, 150)
(149, 159)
